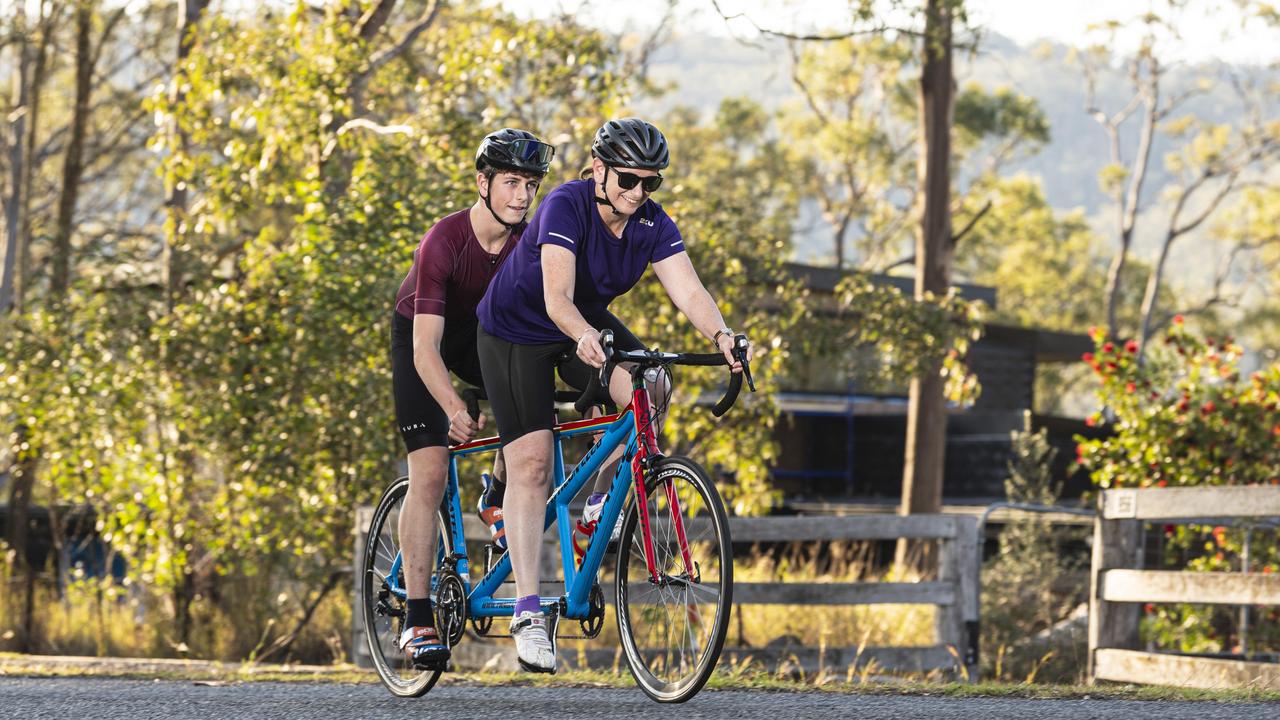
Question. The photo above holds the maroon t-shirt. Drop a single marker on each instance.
(450, 273)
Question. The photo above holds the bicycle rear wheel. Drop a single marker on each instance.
(673, 630)
(382, 605)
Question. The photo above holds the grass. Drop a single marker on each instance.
(827, 625)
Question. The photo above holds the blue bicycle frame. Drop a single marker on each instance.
(619, 430)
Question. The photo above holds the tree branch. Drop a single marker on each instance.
(816, 37)
(955, 239)
(423, 22)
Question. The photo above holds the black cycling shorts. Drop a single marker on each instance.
(421, 420)
(520, 379)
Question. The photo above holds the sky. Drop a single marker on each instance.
(1219, 34)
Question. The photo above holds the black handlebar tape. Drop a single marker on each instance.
(472, 397)
(730, 396)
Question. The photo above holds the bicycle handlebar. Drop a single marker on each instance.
(654, 358)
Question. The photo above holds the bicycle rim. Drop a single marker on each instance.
(673, 630)
(384, 624)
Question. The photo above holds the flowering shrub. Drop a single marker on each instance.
(1183, 414)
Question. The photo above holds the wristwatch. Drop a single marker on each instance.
(715, 340)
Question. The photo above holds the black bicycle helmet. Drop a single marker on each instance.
(513, 149)
(631, 143)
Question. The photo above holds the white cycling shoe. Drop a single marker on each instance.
(591, 514)
(535, 642)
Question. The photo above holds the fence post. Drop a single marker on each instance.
(1116, 545)
(359, 650)
(949, 620)
(968, 569)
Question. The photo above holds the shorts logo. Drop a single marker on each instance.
(415, 426)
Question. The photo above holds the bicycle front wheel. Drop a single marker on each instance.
(673, 626)
(382, 598)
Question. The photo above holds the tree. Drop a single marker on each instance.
(926, 417)
(856, 133)
(1209, 165)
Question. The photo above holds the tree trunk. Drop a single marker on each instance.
(926, 414)
(175, 201)
(11, 283)
(73, 162)
(39, 72)
(1114, 272)
(18, 531)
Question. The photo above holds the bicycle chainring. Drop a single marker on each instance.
(451, 606)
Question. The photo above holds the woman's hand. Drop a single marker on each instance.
(589, 349)
(725, 344)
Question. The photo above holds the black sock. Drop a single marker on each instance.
(494, 496)
(418, 613)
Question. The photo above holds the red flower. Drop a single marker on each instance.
(1109, 347)
(1207, 408)
(1162, 483)
(1131, 346)
(1090, 421)
(1177, 319)
(1087, 357)
(1182, 406)
(1130, 387)
(1149, 608)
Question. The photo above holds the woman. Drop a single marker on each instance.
(588, 243)
(433, 333)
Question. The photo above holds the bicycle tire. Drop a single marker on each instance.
(644, 610)
(382, 630)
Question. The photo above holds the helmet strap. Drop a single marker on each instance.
(504, 223)
(605, 200)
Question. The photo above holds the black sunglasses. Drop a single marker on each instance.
(627, 180)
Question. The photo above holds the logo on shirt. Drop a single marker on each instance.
(646, 221)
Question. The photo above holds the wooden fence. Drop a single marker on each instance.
(1119, 585)
(954, 592)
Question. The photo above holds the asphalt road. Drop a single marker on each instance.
(100, 699)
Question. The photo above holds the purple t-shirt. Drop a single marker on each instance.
(514, 307)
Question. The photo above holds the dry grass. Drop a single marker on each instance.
(827, 625)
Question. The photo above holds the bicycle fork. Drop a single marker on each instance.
(647, 454)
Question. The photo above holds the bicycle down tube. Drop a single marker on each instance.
(620, 429)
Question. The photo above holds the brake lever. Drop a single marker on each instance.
(606, 344)
(740, 345)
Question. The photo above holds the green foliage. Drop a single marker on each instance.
(1023, 598)
(1001, 115)
(1183, 416)
(909, 337)
(855, 135)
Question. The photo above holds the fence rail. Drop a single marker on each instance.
(954, 592)
(1119, 585)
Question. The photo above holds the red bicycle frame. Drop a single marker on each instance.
(647, 448)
